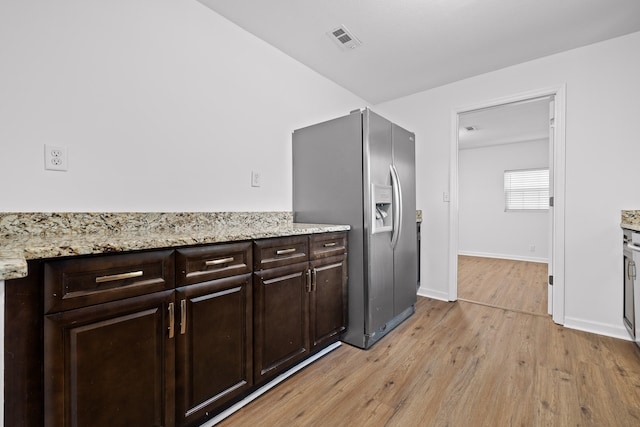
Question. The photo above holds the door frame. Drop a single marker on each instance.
(558, 211)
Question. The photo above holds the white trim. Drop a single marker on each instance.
(559, 165)
(430, 293)
(268, 386)
(614, 331)
(2, 293)
(504, 256)
(454, 228)
(559, 92)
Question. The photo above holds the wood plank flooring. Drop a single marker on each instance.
(516, 285)
(462, 364)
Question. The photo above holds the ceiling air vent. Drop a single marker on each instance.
(344, 38)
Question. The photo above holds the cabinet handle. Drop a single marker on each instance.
(309, 281)
(314, 282)
(171, 321)
(218, 261)
(114, 277)
(183, 316)
(329, 245)
(285, 251)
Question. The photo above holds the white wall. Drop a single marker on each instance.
(163, 105)
(485, 229)
(602, 151)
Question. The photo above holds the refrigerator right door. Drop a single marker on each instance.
(405, 256)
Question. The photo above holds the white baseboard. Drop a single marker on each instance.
(431, 293)
(268, 386)
(613, 331)
(504, 256)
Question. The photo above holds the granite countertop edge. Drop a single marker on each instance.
(630, 219)
(15, 251)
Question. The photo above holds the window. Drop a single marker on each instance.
(526, 190)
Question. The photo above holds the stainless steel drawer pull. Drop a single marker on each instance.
(285, 251)
(329, 245)
(219, 261)
(171, 320)
(114, 277)
(183, 316)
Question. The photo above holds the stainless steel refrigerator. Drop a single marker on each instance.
(360, 170)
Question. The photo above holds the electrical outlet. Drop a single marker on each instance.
(532, 248)
(55, 158)
(256, 179)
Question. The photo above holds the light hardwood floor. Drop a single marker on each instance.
(462, 364)
(516, 285)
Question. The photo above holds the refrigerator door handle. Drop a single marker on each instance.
(397, 205)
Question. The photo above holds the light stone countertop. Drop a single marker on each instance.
(27, 236)
(630, 220)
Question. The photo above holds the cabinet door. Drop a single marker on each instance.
(328, 304)
(111, 364)
(281, 319)
(214, 346)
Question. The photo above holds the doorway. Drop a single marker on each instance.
(556, 153)
(503, 241)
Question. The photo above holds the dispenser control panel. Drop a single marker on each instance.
(382, 203)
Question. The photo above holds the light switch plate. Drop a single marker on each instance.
(256, 179)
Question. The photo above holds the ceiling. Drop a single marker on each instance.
(413, 45)
(505, 124)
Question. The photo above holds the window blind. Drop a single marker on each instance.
(526, 190)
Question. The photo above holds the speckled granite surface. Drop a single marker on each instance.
(630, 220)
(25, 236)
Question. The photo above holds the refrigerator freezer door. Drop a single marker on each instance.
(405, 257)
(379, 254)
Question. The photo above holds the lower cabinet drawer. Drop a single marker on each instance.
(328, 244)
(270, 253)
(211, 262)
(80, 282)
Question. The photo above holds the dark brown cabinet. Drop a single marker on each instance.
(214, 349)
(299, 307)
(167, 337)
(114, 357)
(328, 296)
(110, 364)
(281, 305)
(108, 354)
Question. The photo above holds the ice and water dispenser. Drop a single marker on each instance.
(382, 196)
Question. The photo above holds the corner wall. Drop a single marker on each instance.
(602, 148)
